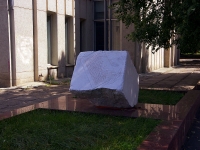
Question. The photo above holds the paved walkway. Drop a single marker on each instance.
(29, 94)
(181, 78)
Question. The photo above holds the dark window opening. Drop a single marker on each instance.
(66, 41)
(107, 28)
(49, 40)
(99, 27)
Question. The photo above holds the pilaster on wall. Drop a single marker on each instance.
(167, 58)
(69, 6)
(5, 49)
(71, 40)
(176, 55)
(76, 29)
(128, 45)
(61, 52)
(145, 59)
(54, 39)
(171, 56)
(40, 39)
(70, 16)
(138, 57)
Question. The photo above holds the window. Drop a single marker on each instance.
(107, 28)
(49, 41)
(99, 36)
(99, 9)
(69, 40)
(82, 35)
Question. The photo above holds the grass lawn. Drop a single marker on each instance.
(190, 55)
(159, 97)
(47, 129)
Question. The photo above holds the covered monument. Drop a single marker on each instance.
(106, 78)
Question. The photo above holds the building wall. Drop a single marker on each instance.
(143, 59)
(25, 49)
(5, 70)
(23, 34)
(40, 38)
(84, 14)
(23, 40)
(60, 10)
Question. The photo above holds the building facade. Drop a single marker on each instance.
(40, 39)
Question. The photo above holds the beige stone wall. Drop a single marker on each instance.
(16, 42)
(40, 39)
(127, 45)
(61, 10)
(23, 26)
(171, 57)
(69, 7)
(57, 10)
(155, 60)
(30, 39)
(5, 72)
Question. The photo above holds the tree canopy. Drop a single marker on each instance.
(162, 23)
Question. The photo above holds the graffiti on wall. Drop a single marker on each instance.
(25, 49)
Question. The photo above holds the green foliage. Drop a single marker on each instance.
(161, 24)
(188, 26)
(159, 97)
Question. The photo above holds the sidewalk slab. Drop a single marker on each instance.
(180, 78)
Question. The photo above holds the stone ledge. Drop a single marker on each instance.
(170, 134)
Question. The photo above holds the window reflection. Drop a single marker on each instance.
(107, 30)
(99, 9)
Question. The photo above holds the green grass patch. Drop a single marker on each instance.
(190, 55)
(47, 129)
(159, 97)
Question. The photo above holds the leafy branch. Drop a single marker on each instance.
(162, 23)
